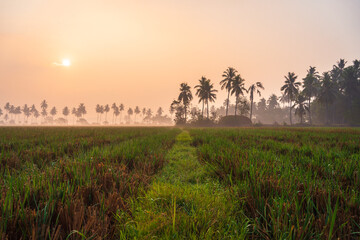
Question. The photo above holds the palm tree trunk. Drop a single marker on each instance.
(310, 113)
(227, 103)
(251, 108)
(236, 103)
(207, 108)
(202, 112)
(290, 114)
(185, 112)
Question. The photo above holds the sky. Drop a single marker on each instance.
(138, 52)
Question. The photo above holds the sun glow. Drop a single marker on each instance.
(66, 62)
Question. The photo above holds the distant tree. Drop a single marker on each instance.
(44, 107)
(53, 111)
(26, 111)
(243, 105)
(1, 112)
(113, 107)
(160, 111)
(130, 112)
(6, 117)
(149, 113)
(121, 108)
(311, 86)
(136, 111)
(229, 76)
(201, 90)
(143, 112)
(237, 88)
(74, 112)
(66, 112)
(7, 107)
(81, 110)
(17, 112)
(106, 110)
(185, 96)
(291, 89)
(301, 107)
(36, 114)
(116, 113)
(328, 92)
(254, 87)
(272, 102)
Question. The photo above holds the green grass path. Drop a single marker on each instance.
(185, 202)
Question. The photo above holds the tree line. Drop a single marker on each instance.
(31, 114)
(330, 98)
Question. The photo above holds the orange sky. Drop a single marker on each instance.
(138, 52)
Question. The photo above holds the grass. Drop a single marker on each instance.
(185, 202)
(167, 183)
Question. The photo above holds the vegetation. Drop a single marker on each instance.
(57, 181)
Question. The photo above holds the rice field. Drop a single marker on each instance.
(196, 183)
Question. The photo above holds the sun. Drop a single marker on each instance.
(66, 62)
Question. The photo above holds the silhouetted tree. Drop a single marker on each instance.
(130, 112)
(121, 108)
(136, 111)
(81, 110)
(311, 86)
(185, 96)
(291, 89)
(66, 112)
(116, 112)
(106, 110)
(201, 90)
(27, 113)
(53, 111)
(237, 88)
(301, 107)
(1, 112)
(328, 92)
(113, 107)
(44, 107)
(74, 112)
(254, 87)
(160, 111)
(272, 102)
(229, 76)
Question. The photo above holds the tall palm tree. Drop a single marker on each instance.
(301, 107)
(137, 111)
(254, 87)
(328, 92)
(66, 112)
(272, 102)
(311, 86)
(210, 96)
(291, 89)
(229, 76)
(130, 112)
(185, 96)
(27, 113)
(201, 90)
(121, 108)
(113, 107)
(238, 88)
(106, 110)
(81, 110)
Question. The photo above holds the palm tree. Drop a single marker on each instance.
(66, 112)
(74, 112)
(327, 94)
(254, 87)
(121, 108)
(291, 89)
(237, 88)
(81, 110)
(310, 85)
(44, 106)
(272, 102)
(229, 76)
(160, 111)
(137, 111)
(210, 95)
(27, 113)
(113, 107)
(116, 112)
(201, 92)
(185, 96)
(301, 107)
(53, 111)
(130, 112)
(106, 110)
(1, 112)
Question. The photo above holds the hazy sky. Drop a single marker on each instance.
(138, 52)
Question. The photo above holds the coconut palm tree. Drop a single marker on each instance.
(44, 107)
(116, 112)
(272, 102)
(328, 92)
(106, 110)
(81, 110)
(238, 88)
(74, 112)
(201, 89)
(210, 95)
(185, 96)
(130, 112)
(291, 89)
(121, 108)
(66, 112)
(53, 111)
(113, 107)
(27, 113)
(229, 76)
(254, 87)
(137, 111)
(301, 107)
(311, 86)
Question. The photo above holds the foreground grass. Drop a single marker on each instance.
(184, 202)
